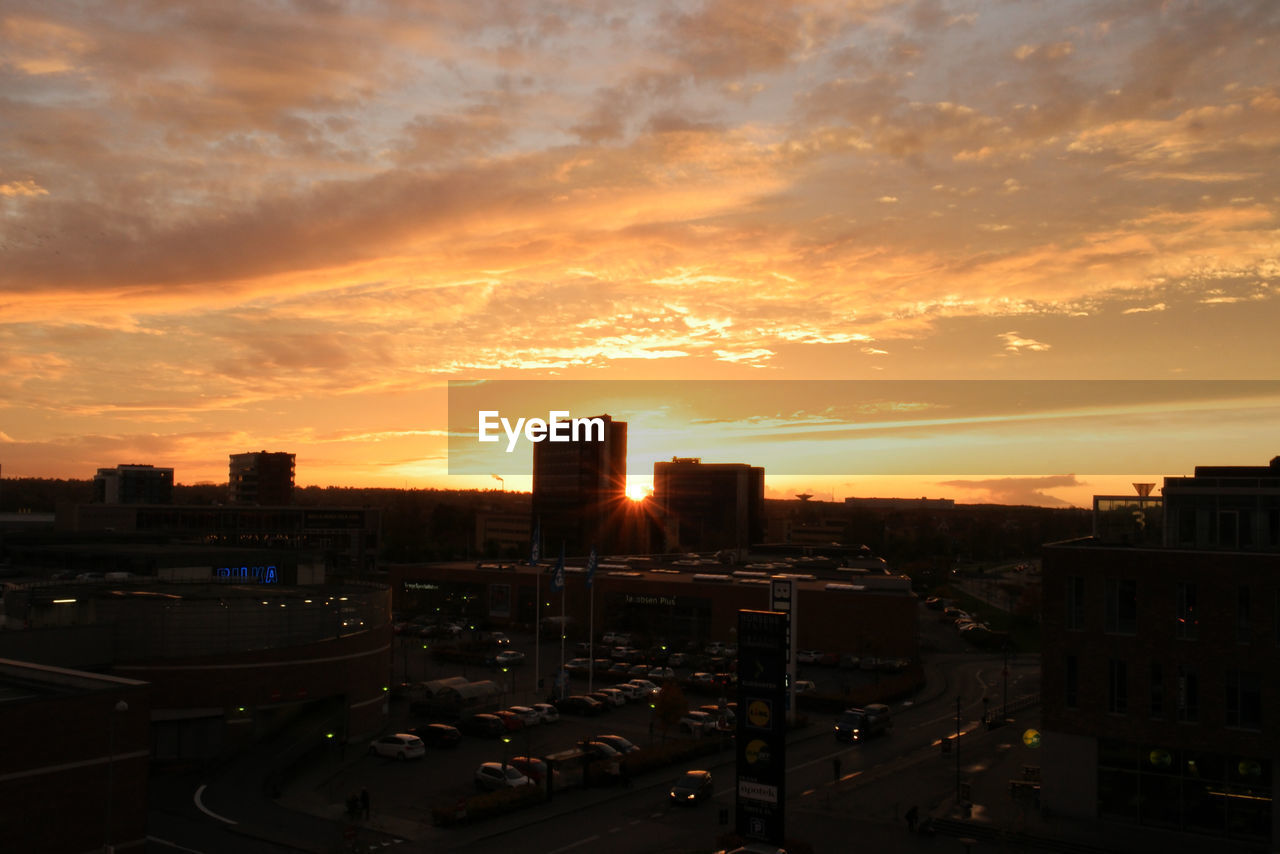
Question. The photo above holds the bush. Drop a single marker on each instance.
(487, 805)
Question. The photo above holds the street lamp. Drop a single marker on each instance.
(120, 708)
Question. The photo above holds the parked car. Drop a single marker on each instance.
(578, 665)
(508, 658)
(691, 788)
(629, 690)
(599, 750)
(605, 701)
(697, 723)
(800, 686)
(510, 720)
(645, 687)
(702, 678)
(483, 725)
(401, 745)
(492, 776)
(855, 725)
(437, 735)
(547, 712)
(532, 767)
(579, 704)
(677, 659)
(723, 716)
(620, 668)
(638, 671)
(527, 714)
(809, 656)
(617, 742)
(615, 696)
(662, 673)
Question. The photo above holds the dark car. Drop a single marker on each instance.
(483, 725)
(691, 788)
(437, 735)
(578, 704)
(617, 742)
(606, 703)
(510, 720)
(599, 750)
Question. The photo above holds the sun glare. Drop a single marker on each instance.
(637, 491)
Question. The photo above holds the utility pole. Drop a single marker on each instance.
(957, 748)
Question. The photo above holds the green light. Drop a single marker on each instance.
(385, 688)
(328, 735)
(240, 708)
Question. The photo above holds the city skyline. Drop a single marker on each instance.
(293, 234)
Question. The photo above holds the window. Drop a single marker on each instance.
(1157, 690)
(1188, 624)
(1244, 699)
(1075, 603)
(1118, 686)
(1071, 698)
(1244, 626)
(1122, 606)
(1188, 695)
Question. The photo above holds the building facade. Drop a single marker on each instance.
(262, 478)
(579, 490)
(133, 484)
(1160, 704)
(713, 505)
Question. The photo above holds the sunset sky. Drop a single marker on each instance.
(237, 226)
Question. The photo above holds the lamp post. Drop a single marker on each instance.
(120, 708)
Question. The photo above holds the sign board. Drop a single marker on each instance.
(763, 653)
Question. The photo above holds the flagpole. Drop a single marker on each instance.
(591, 621)
(564, 590)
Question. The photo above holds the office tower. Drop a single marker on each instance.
(133, 484)
(579, 489)
(713, 505)
(262, 478)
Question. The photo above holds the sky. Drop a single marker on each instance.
(288, 226)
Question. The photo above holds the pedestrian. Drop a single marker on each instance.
(364, 803)
(912, 816)
(835, 769)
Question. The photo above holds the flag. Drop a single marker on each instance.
(557, 578)
(533, 548)
(591, 566)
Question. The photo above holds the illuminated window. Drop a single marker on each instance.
(1188, 618)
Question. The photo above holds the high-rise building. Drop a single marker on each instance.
(579, 489)
(713, 505)
(1160, 705)
(262, 478)
(133, 484)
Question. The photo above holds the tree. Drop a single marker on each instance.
(669, 706)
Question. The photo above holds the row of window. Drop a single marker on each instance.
(1120, 609)
(1241, 699)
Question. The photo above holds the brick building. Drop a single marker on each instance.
(1160, 704)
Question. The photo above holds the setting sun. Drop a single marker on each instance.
(638, 491)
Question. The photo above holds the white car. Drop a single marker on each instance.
(547, 712)
(615, 696)
(508, 657)
(492, 776)
(527, 714)
(662, 673)
(645, 687)
(697, 723)
(402, 745)
(809, 656)
(629, 690)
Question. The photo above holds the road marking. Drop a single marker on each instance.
(574, 845)
(200, 806)
(160, 841)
